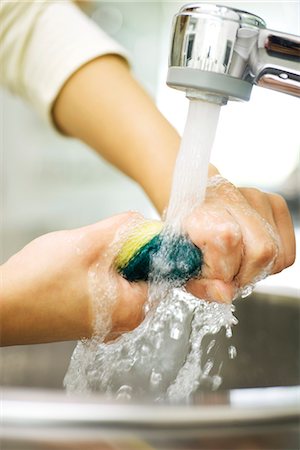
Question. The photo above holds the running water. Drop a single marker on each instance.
(165, 358)
(191, 170)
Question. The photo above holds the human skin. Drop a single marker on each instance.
(50, 288)
(245, 235)
(46, 295)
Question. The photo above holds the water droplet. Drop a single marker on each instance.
(232, 352)
(228, 332)
(205, 329)
(156, 326)
(125, 365)
(179, 314)
(158, 341)
(210, 346)
(207, 367)
(214, 329)
(155, 378)
(176, 331)
(124, 393)
(216, 382)
(145, 350)
(247, 290)
(234, 321)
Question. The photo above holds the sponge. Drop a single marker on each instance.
(171, 257)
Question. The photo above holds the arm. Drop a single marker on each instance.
(105, 107)
(47, 61)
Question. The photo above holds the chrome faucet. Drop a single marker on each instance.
(219, 53)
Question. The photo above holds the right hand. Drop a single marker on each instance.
(245, 235)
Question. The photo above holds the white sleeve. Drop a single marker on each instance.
(42, 43)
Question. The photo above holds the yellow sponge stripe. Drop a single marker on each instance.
(140, 236)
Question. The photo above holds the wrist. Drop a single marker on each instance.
(40, 301)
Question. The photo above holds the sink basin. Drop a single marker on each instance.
(256, 407)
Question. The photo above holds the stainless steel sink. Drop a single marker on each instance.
(257, 406)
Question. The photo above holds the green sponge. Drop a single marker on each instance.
(171, 257)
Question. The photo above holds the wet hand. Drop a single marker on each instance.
(63, 286)
(116, 304)
(244, 234)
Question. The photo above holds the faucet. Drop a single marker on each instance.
(218, 53)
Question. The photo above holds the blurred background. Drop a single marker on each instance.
(50, 182)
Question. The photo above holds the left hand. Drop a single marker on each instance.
(64, 286)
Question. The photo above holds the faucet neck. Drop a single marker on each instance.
(275, 62)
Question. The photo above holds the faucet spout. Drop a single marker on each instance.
(219, 53)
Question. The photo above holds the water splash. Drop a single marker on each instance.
(163, 358)
(149, 358)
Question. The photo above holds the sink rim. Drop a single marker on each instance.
(24, 407)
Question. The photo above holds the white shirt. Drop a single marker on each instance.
(42, 43)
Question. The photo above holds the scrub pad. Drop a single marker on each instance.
(174, 257)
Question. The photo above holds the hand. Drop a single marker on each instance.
(245, 234)
(62, 286)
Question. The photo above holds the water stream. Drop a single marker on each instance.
(166, 357)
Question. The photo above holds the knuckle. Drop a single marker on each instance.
(251, 193)
(283, 262)
(290, 259)
(228, 237)
(265, 252)
(279, 265)
(199, 229)
(279, 204)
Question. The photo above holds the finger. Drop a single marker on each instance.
(260, 241)
(261, 203)
(128, 311)
(284, 224)
(216, 232)
(260, 245)
(212, 290)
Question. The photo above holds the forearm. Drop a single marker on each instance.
(105, 107)
(32, 307)
(96, 99)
